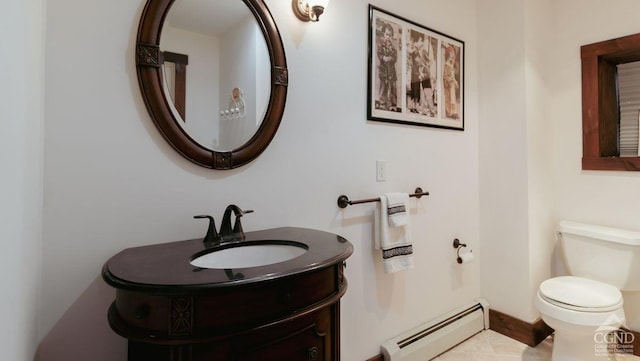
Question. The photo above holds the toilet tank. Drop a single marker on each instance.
(604, 254)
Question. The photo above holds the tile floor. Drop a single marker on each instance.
(492, 346)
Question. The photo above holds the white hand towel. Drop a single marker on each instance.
(398, 209)
(395, 242)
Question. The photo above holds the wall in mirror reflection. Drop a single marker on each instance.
(238, 58)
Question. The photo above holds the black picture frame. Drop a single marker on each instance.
(415, 74)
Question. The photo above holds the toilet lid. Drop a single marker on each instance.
(581, 292)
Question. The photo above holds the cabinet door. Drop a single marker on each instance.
(303, 345)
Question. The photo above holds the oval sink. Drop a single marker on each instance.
(249, 255)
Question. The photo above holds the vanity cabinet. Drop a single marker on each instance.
(312, 337)
(286, 311)
(290, 319)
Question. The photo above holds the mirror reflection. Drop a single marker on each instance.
(216, 71)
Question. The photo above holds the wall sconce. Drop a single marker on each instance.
(309, 10)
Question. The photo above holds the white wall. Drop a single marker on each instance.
(516, 152)
(21, 159)
(112, 182)
(600, 197)
(504, 167)
(540, 151)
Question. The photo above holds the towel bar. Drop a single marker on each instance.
(343, 201)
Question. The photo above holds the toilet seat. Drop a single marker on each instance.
(581, 294)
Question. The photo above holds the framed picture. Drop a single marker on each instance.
(415, 74)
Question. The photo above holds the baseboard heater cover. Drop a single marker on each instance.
(438, 335)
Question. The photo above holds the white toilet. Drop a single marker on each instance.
(583, 307)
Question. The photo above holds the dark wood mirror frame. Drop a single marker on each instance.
(148, 64)
(600, 111)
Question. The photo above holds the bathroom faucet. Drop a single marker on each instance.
(227, 234)
(236, 233)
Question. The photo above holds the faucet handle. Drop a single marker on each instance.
(237, 227)
(212, 234)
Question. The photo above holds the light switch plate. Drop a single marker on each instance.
(381, 170)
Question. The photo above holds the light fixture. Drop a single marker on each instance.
(309, 10)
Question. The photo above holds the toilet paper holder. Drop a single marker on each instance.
(458, 246)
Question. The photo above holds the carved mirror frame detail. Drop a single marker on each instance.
(600, 111)
(148, 60)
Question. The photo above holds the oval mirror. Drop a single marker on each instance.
(213, 76)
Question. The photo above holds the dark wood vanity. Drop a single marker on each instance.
(171, 310)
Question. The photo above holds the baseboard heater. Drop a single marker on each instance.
(438, 335)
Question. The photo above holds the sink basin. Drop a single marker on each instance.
(250, 255)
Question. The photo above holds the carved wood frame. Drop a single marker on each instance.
(150, 81)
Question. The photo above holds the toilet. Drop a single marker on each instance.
(585, 305)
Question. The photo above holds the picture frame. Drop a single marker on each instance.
(415, 74)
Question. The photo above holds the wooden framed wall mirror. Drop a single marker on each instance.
(220, 102)
(610, 110)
